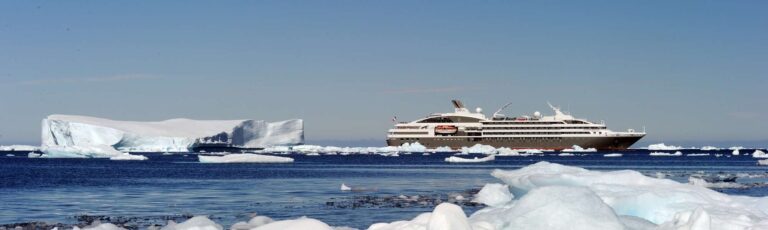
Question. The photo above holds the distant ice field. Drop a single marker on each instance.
(174, 186)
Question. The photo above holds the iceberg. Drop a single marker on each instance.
(709, 148)
(662, 146)
(479, 149)
(759, 154)
(613, 155)
(98, 137)
(577, 148)
(244, 158)
(454, 159)
(663, 154)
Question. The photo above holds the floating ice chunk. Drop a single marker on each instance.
(455, 159)
(577, 148)
(664, 154)
(762, 162)
(194, 223)
(442, 149)
(244, 158)
(662, 146)
(759, 154)
(503, 151)
(566, 154)
(709, 148)
(300, 223)
(697, 154)
(344, 187)
(613, 155)
(25, 148)
(736, 148)
(532, 151)
(253, 223)
(479, 149)
(735, 152)
(494, 195)
(33, 155)
(416, 147)
(128, 157)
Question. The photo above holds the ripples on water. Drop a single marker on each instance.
(175, 186)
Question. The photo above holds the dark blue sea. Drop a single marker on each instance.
(174, 187)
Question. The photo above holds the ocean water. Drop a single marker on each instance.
(141, 193)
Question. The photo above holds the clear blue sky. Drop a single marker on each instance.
(687, 70)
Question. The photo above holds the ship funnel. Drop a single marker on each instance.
(457, 104)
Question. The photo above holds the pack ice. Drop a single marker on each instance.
(67, 135)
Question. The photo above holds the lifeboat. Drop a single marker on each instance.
(446, 129)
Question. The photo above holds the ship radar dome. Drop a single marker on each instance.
(537, 114)
(479, 110)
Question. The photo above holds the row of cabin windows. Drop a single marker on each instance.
(533, 133)
(524, 123)
(409, 133)
(492, 128)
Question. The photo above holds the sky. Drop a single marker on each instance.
(687, 71)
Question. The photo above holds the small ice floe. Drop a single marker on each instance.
(244, 158)
(662, 146)
(576, 148)
(128, 157)
(10, 155)
(735, 152)
(313, 154)
(455, 159)
(493, 195)
(613, 155)
(566, 154)
(443, 149)
(425, 154)
(665, 154)
(762, 162)
(697, 154)
(33, 155)
(709, 148)
(344, 187)
(479, 149)
(504, 152)
(759, 154)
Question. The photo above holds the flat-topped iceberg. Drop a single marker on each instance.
(98, 137)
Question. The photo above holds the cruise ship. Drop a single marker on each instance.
(465, 128)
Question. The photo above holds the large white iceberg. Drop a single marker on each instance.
(61, 133)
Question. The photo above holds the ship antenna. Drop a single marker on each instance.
(500, 109)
